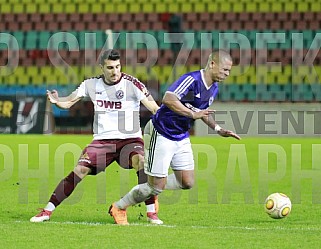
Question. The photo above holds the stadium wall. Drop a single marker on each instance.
(26, 115)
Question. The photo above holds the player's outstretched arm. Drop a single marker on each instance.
(228, 133)
(62, 102)
(222, 132)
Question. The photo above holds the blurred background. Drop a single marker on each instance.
(55, 44)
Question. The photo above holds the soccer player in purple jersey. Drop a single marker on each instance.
(116, 97)
(166, 138)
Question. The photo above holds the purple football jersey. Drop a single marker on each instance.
(193, 92)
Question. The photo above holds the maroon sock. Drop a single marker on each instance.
(150, 200)
(142, 178)
(64, 188)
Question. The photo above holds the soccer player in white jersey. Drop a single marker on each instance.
(186, 99)
(116, 130)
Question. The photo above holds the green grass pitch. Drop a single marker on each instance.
(224, 209)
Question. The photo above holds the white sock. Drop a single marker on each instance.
(150, 208)
(137, 194)
(50, 207)
(172, 183)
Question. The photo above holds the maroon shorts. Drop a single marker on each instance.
(99, 154)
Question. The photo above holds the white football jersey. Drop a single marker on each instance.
(116, 106)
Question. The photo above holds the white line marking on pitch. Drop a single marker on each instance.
(175, 226)
(91, 223)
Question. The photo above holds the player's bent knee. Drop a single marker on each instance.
(138, 162)
(155, 191)
(187, 185)
(143, 191)
(81, 171)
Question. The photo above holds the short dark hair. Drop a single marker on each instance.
(220, 54)
(109, 54)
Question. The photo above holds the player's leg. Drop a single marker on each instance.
(148, 130)
(62, 191)
(136, 195)
(180, 179)
(152, 202)
(138, 164)
(156, 164)
(140, 193)
(131, 155)
(183, 167)
(91, 161)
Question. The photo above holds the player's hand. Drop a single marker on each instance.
(202, 114)
(227, 133)
(53, 96)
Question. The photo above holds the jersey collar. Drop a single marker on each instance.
(203, 79)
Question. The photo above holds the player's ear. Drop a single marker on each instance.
(212, 64)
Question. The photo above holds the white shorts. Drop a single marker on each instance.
(162, 153)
